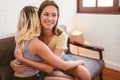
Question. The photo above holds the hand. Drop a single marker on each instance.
(72, 64)
(17, 67)
(18, 53)
(82, 62)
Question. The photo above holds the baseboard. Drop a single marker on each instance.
(112, 65)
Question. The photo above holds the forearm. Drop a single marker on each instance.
(58, 62)
(71, 65)
(59, 53)
(38, 65)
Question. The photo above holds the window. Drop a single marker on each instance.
(98, 6)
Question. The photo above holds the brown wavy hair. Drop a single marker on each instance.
(45, 3)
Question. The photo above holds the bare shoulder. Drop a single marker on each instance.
(35, 42)
(35, 45)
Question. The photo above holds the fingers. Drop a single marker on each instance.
(82, 62)
(17, 67)
(20, 68)
(18, 53)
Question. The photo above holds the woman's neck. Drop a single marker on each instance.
(47, 33)
(46, 36)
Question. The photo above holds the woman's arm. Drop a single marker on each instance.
(17, 67)
(37, 47)
(38, 65)
(58, 52)
(60, 47)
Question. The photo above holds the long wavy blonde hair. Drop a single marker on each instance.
(28, 25)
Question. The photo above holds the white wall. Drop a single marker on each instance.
(103, 30)
(9, 13)
(67, 13)
(99, 29)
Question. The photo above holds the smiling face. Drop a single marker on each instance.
(49, 17)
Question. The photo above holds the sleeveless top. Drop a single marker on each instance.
(28, 55)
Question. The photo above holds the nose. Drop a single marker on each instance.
(50, 18)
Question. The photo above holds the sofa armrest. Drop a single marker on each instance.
(90, 47)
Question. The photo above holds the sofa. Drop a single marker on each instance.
(7, 46)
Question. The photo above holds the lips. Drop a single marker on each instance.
(49, 22)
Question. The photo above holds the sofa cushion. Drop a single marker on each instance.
(94, 66)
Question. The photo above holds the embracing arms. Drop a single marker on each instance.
(37, 47)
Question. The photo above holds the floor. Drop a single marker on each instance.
(110, 74)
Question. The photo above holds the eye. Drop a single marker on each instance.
(46, 14)
(54, 15)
